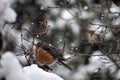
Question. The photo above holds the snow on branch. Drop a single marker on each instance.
(12, 70)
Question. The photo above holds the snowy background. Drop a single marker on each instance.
(70, 24)
(10, 67)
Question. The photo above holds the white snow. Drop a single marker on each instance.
(9, 15)
(6, 12)
(66, 15)
(115, 9)
(83, 70)
(75, 27)
(36, 73)
(85, 14)
(60, 23)
(46, 3)
(11, 69)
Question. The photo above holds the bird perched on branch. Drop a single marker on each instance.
(46, 54)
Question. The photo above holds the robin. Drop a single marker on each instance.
(46, 54)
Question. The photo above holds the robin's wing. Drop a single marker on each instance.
(56, 53)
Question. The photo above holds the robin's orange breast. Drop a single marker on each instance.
(43, 57)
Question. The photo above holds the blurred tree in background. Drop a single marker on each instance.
(86, 26)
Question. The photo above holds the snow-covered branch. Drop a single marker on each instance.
(12, 70)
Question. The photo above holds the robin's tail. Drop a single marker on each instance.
(65, 65)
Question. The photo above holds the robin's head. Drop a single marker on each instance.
(44, 45)
(40, 44)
